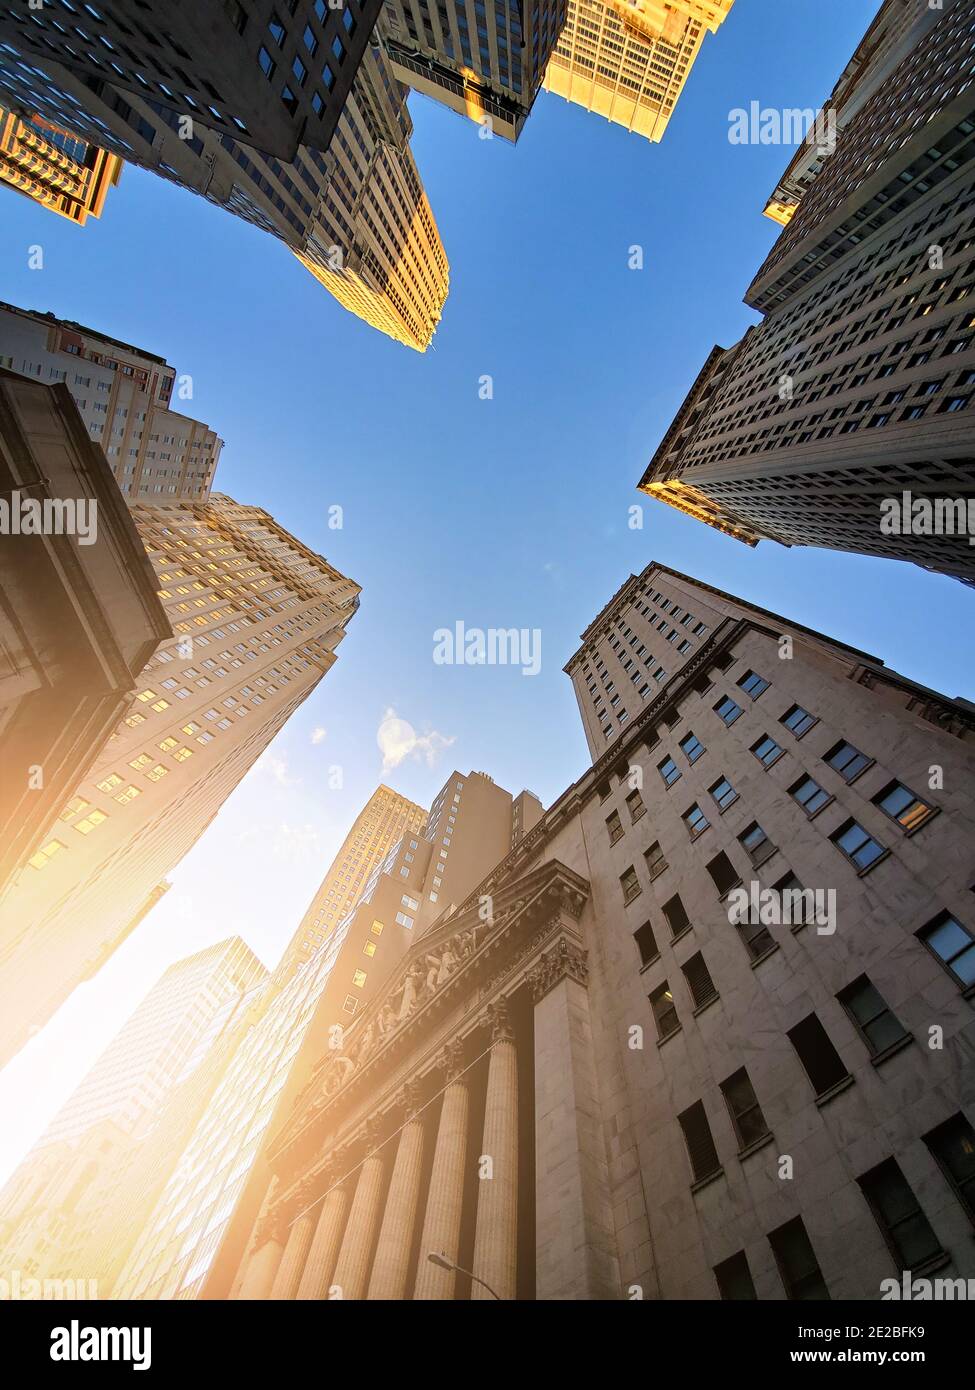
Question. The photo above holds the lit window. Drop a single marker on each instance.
(46, 853)
(155, 774)
(109, 783)
(93, 818)
(359, 978)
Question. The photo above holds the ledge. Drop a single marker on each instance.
(647, 963)
(686, 931)
(893, 1049)
(765, 955)
(706, 1005)
(706, 1182)
(840, 1086)
(755, 1146)
(672, 1034)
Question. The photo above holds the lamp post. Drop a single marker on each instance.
(444, 1263)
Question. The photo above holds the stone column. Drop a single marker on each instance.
(352, 1266)
(300, 1231)
(445, 1199)
(270, 1234)
(317, 1276)
(496, 1234)
(575, 1256)
(391, 1265)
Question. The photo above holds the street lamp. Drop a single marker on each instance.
(444, 1263)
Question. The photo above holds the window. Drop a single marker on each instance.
(799, 720)
(677, 918)
(908, 810)
(753, 684)
(630, 885)
(664, 1012)
(646, 943)
(636, 807)
(824, 1065)
(757, 844)
(810, 795)
(746, 1113)
(700, 1145)
(699, 981)
(409, 902)
(723, 873)
(692, 747)
(696, 821)
(376, 928)
(796, 1259)
(109, 783)
(727, 711)
(669, 771)
(734, 1278)
(954, 946)
(903, 1224)
(654, 856)
(724, 793)
(404, 919)
(358, 978)
(878, 1027)
(860, 848)
(953, 1147)
(614, 826)
(266, 62)
(604, 790)
(848, 761)
(45, 854)
(767, 751)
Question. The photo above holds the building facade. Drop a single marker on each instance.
(54, 168)
(628, 60)
(257, 620)
(61, 1213)
(125, 396)
(273, 76)
(607, 1073)
(843, 418)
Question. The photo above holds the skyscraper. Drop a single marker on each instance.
(60, 1212)
(842, 419)
(275, 76)
(125, 396)
(628, 60)
(67, 175)
(678, 1043)
(356, 217)
(257, 619)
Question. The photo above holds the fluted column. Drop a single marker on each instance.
(352, 1268)
(262, 1263)
(300, 1233)
(317, 1275)
(445, 1200)
(496, 1233)
(391, 1265)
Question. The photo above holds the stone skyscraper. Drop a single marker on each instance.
(67, 175)
(843, 418)
(257, 619)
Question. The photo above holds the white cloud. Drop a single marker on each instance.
(318, 735)
(398, 740)
(277, 767)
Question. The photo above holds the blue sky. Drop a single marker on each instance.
(510, 512)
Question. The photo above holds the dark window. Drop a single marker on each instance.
(753, 684)
(630, 885)
(848, 761)
(696, 821)
(677, 918)
(734, 1278)
(692, 747)
(900, 803)
(635, 803)
(724, 873)
(954, 946)
(879, 1027)
(727, 711)
(953, 1145)
(669, 771)
(277, 29)
(796, 1259)
(699, 981)
(767, 751)
(724, 793)
(646, 942)
(299, 71)
(700, 1145)
(614, 826)
(664, 1012)
(810, 795)
(746, 1113)
(756, 844)
(823, 1064)
(289, 99)
(859, 847)
(656, 863)
(796, 908)
(604, 790)
(311, 40)
(799, 720)
(266, 61)
(905, 1227)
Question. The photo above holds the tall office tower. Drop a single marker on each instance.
(842, 419)
(381, 824)
(257, 619)
(64, 174)
(79, 612)
(273, 75)
(636, 1047)
(192, 1244)
(357, 218)
(60, 1214)
(485, 60)
(628, 60)
(125, 396)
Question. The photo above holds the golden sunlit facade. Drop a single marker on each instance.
(56, 169)
(629, 61)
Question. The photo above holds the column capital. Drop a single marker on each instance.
(563, 961)
(273, 1225)
(451, 1061)
(409, 1100)
(497, 1017)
